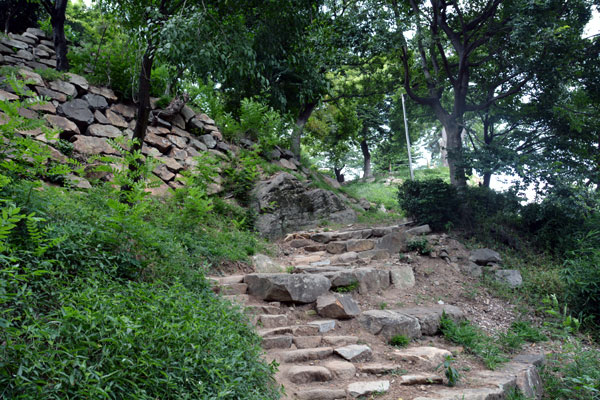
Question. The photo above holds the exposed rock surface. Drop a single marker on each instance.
(283, 204)
(298, 288)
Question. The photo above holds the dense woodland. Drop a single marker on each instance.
(513, 86)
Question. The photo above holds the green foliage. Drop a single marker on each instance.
(516, 394)
(399, 341)
(581, 274)
(375, 192)
(346, 289)
(432, 202)
(527, 332)
(50, 74)
(474, 341)
(573, 374)
(108, 339)
(450, 371)
(257, 121)
(242, 174)
(163, 102)
(561, 321)
(420, 245)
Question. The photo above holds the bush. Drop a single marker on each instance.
(432, 202)
(581, 273)
(135, 340)
(573, 375)
(399, 341)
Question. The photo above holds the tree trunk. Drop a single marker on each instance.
(305, 112)
(338, 174)
(364, 147)
(57, 18)
(487, 177)
(455, 155)
(143, 109)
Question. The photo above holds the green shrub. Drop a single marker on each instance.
(432, 202)
(574, 374)
(163, 102)
(581, 274)
(346, 289)
(399, 341)
(136, 340)
(420, 245)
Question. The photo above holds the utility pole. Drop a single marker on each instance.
(412, 176)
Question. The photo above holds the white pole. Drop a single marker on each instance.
(412, 176)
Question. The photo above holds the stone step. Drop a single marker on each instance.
(355, 352)
(302, 374)
(272, 320)
(232, 289)
(302, 355)
(227, 280)
(320, 394)
(241, 299)
(340, 369)
(307, 342)
(378, 368)
(336, 341)
(324, 326)
(277, 342)
(358, 389)
(264, 309)
(296, 330)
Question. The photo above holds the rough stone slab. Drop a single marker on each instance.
(37, 32)
(375, 254)
(302, 374)
(5, 96)
(63, 124)
(380, 232)
(337, 341)
(419, 230)
(402, 277)
(53, 94)
(306, 354)
(307, 342)
(90, 145)
(429, 317)
(277, 342)
(163, 173)
(161, 143)
(96, 101)
(33, 76)
(233, 288)
(420, 379)
(472, 269)
(115, 119)
(25, 55)
(100, 118)
(272, 321)
(300, 288)
(77, 111)
(209, 141)
(63, 87)
(359, 245)
(534, 359)
(51, 62)
(322, 263)
(336, 247)
(264, 264)
(297, 243)
(228, 280)
(77, 80)
(394, 243)
(126, 111)
(77, 182)
(341, 369)
(309, 259)
(107, 131)
(355, 352)
(14, 43)
(324, 326)
(107, 93)
(510, 277)
(371, 280)
(378, 368)
(171, 164)
(321, 394)
(44, 107)
(40, 53)
(358, 389)
(205, 119)
(305, 330)
(178, 141)
(430, 355)
(484, 256)
(338, 306)
(388, 324)
(187, 113)
(322, 237)
(283, 330)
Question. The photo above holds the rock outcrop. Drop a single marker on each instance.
(284, 204)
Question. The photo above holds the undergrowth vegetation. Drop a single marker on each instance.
(102, 293)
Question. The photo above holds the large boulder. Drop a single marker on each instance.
(388, 324)
(284, 204)
(337, 306)
(297, 288)
(77, 111)
(394, 242)
(484, 256)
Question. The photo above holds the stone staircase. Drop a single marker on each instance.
(331, 345)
